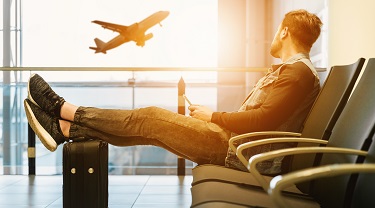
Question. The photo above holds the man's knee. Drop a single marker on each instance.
(153, 111)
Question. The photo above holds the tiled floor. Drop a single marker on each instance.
(124, 191)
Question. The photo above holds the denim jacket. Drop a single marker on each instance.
(292, 123)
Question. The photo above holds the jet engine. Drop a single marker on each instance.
(142, 41)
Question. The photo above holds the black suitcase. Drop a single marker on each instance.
(85, 174)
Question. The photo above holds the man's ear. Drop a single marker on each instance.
(284, 32)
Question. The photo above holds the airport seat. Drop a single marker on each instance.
(362, 194)
(352, 134)
(325, 111)
(358, 194)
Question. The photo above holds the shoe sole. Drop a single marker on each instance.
(42, 134)
(28, 92)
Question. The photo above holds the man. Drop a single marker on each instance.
(281, 100)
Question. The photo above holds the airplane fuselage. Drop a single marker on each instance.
(153, 20)
(134, 32)
(116, 41)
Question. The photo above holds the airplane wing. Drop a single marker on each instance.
(111, 26)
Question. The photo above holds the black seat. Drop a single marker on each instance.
(329, 104)
(359, 192)
(341, 185)
(352, 129)
(364, 189)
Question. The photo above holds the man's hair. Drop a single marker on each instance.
(304, 27)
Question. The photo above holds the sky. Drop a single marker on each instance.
(59, 33)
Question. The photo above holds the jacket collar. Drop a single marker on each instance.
(291, 60)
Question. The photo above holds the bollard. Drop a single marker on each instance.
(181, 110)
(31, 150)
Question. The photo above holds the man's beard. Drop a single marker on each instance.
(275, 48)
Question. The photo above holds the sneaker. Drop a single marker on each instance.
(47, 128)
(42, 95)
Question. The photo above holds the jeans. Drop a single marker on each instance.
(196, 140)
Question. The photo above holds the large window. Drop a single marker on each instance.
(59, 33)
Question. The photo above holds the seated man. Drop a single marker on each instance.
(280, 100)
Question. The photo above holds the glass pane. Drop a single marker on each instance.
(60, 35)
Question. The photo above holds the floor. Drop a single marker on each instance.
(124, 191)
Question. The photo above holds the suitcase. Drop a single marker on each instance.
(85, 174)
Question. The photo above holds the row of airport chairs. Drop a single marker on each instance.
(333, 163)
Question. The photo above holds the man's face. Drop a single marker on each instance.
(276, 44)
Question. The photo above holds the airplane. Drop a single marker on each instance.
(135, 32)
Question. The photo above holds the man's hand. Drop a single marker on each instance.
(200, 112)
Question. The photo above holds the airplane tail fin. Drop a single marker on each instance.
(99, 43)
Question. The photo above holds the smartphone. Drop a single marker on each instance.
(187, 100)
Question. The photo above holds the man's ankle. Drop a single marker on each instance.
(64, 127)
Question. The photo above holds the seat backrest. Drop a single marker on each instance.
(331, 99)
(329, 104)
(353, 127)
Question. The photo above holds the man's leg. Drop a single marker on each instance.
(196, 140)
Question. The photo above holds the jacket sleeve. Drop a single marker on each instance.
(294, 83)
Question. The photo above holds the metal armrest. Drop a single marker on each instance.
(281, 182)
(293, 151)
(246, 145)
(262, 133)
